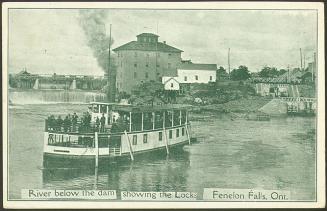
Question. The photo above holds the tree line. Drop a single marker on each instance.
(243, 73)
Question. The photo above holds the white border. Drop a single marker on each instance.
(176, 5)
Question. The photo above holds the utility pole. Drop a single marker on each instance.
(109, 56)
(288, 74)
(303, 61)
(229, 63)
(314, 66)
(301, 58)
(111, 82)
(157, 54)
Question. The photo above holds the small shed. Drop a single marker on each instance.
(170, 83)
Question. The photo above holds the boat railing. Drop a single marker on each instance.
(86, 138)
(114, 151)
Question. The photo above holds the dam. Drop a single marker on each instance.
(26, 88)
(54, 96)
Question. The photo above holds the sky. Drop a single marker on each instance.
(48, 41)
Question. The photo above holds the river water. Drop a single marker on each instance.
(230, 153)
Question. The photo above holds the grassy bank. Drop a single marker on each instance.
(242, 105)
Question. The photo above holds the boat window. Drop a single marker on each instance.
(96, 108)
(103, 109)
(103, 142)
(134, 139)
(183, 116)
(176, 117)
(145, 138)
(177, 133)
(183, 131)
(160, 136)
(158, 120)
(136, 121)
(170, 134)
(168, 118)
(147, 121)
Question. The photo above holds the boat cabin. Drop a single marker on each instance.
(129, 129)
(97, 109)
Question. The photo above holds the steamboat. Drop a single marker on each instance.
(124, 131)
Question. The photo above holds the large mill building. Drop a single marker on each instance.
(148, 59)
(144, 60)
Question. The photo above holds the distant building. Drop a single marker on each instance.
(144, 60)
(170, 83)
(189, 72)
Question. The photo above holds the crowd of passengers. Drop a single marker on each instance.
(73, 123)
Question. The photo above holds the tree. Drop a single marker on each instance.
(221, 70)
(269, 72)
(148, 92)
(241, 73)
(282, 71)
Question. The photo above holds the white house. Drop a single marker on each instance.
(189, 72)
(170, 83)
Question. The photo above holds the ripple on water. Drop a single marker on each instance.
(278, 154)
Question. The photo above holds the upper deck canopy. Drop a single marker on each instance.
(145, 108)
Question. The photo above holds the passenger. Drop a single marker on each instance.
(87, 119)
(59, 123)
(67, 124)
(48, 123)
(97, 123)
(53, 122)
(102, 122)
(74, 121)
(114, 128)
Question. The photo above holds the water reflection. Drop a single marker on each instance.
(149, 172)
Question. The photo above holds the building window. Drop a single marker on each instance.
(183, 131)
(145, 138)
(121, 64)
(177, 133)
(160, 136)
(196, 77)
(210, 78)
(146, 65)
(185, 78)
(169, 54)
(135, 54)
(134, 139)
(135, 74)
(170, 134)
(171, 85)
(158, 65)
(169, 65)
(146, 75)
(147, 55)
(144, 39)
(135, 65)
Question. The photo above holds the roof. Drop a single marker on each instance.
(169, 79)
(147, 34)
(137, 109)
(150, 46)
(194, 66)
(145, 108)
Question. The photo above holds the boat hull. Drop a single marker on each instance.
(125, 155)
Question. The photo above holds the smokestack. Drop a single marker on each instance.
(93, 23)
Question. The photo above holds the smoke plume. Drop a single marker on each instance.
(93, 23)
